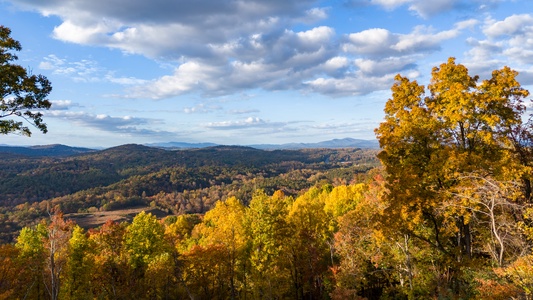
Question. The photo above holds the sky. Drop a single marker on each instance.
(243, 72)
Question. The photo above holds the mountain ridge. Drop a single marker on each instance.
(332, 144)
(59, 150)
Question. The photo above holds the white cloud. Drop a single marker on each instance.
(353, 85)
(507, 42)
(515, 24)
(63, 104)
(427, 9)
(201, 108)
(224, 47)
(243, 111)
(124, 125)
(250, 122)
(162, 28)
(390, 4)
(124, 80)
(379, 42)
(314, 15)
(84, 71)
(384, 66)
(186, 78)
(374, 41)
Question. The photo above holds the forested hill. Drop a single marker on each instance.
(182, 181)
(43, 150)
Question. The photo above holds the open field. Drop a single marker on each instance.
(92, 220)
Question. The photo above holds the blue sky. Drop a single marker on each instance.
(245, 72)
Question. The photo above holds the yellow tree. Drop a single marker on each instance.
(224, 225)
(268, 234)
(32, 255)
(79, 267)
(145, 246)
(307, 249)
(429, 142)
(144, 239)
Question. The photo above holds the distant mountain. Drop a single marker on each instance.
(44, 150)
(331, 144)
(62, 150)
(180, 145)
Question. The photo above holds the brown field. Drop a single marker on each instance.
(92, 220)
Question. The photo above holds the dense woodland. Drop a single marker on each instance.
(446, 215)
(176, 182)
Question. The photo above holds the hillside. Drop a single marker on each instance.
(43, 150)
(180, 181)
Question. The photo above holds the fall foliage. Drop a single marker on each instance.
(447, 216)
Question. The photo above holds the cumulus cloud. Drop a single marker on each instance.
(225, 47)
(163, 28)
(271, 62)
(63, 104)
(81, 71)
(352, 85)
(506, 42)
(390, 4)
(243, 111)
(250, 122)
(124, 125)
(380, 42)
(427, 9)
(84, 71)
(306, 60)
(201, 108)
(385, 66)
(512, 25)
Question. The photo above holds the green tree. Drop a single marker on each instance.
(21, 94)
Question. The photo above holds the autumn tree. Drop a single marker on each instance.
(32, 255)
(56, 244)
(111, 274)
(22, 94)
(430, 140)
(148, 255)
(308, 247)
(79, 266)
(268, 231)
(10, 270)
(224, 226)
